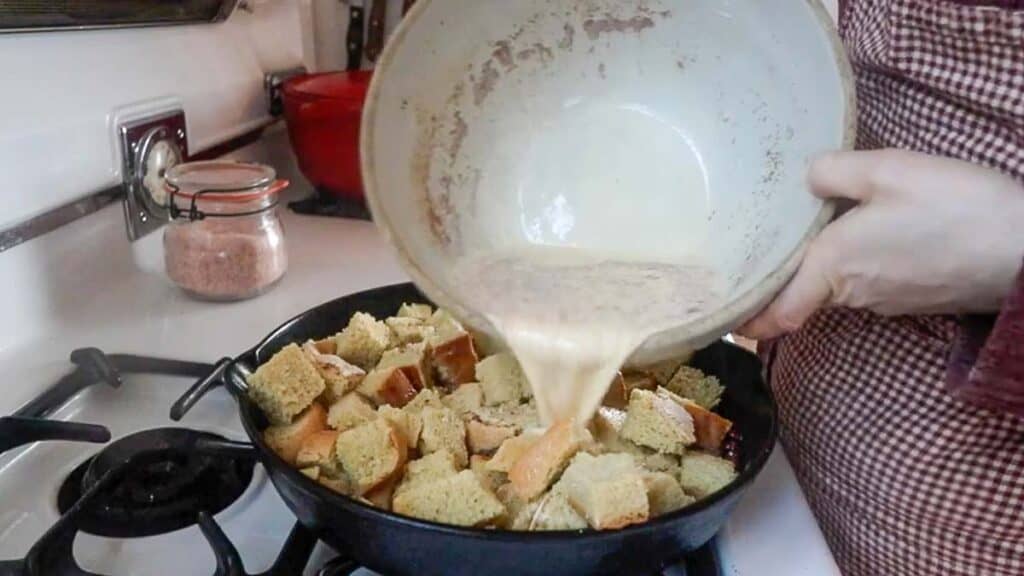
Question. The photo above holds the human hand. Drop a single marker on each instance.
(929, 235)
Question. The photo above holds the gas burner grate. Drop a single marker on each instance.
(171, 475)
(323, 204)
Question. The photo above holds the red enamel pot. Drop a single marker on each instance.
(323, 113)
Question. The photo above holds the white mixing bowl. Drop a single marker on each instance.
(671, 127)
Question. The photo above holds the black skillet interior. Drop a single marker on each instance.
(747, 402)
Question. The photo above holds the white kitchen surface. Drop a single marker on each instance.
(80, 300)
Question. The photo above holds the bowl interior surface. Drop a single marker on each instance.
(665, 130)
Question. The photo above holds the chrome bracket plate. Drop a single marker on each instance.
(149, 146)
(272, 85)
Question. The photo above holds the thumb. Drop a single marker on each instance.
(808, 291)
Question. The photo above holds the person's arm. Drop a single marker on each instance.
(929, 235)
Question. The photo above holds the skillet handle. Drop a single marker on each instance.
(199, 389)
(340, 566)
(226, 448)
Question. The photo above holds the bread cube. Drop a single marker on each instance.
(413, 360)
(664, 494)
(518, 416)
(512, 450)
(658, 462)
(409, 330)
(339, 376)
(703, 474)
(327, 345)
(388, 386)
(339, 484)
(488, 478)
(430, 468)
(363, 341)
(318, 451)
(349, 412)
(607, 490)
(662, 372)
(371, 454)
(550, 512)
(693, 384)
(486, 438)
(465, 399)
(452, 350)
(502, 379)
(623, 385)
(710, 428)
(512, 502)
(285, 385)
(444, 430)
(541, 463)
(658, 423)
(607, 426)
(409, 423)
(381, 496)
(423, 399)
(415, 311)
(286, 440)
(460, 500)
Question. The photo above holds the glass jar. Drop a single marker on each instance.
(225, 241)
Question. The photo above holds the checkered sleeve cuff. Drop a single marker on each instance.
(986, 366)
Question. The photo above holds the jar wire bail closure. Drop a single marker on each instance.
(194, 213)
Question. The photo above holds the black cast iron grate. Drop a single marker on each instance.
(322, 203)
(168, 482)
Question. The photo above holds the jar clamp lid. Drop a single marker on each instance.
(223, 182)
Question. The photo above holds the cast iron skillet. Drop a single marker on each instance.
(396, 545)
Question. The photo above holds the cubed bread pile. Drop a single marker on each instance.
(403, 414)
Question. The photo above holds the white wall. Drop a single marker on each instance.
(62, 90)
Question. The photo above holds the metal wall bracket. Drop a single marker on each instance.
(149, 147)
(272, 83)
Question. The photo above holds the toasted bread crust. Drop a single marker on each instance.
(455, 360)
(542, 462)
(485, 438)
(286, 440)
(388, 386)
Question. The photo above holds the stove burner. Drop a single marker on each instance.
(172, 474)
(324, 204)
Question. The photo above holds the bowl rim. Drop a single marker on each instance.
(702, 330)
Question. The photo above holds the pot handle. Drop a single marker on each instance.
(226, 448)
(199, 389)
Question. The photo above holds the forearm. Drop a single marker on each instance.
(986, 367)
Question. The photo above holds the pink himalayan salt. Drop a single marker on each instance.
(226, 258)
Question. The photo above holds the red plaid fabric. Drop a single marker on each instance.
(905, 479)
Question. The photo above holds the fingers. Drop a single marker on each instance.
(862, 175)
(807, 292)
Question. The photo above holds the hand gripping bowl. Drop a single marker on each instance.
(670, 127)
(399, 546)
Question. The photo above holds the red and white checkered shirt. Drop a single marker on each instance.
(907, 478)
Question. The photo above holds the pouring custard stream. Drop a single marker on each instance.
(572, 317)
